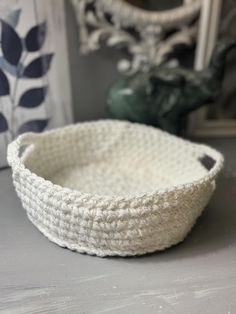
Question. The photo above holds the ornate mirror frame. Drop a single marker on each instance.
(152, 45)
(127, 14)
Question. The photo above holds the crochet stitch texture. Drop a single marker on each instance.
(112, 187)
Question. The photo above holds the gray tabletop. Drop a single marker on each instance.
(196, 276)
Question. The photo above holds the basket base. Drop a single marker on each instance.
(105, 179)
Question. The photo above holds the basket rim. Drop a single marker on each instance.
(17, 164)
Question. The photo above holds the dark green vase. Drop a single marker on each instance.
(163, 96)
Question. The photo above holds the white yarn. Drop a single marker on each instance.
(112, 187)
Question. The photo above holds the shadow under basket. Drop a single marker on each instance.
(112, 187)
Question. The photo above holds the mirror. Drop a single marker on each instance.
(147, 30)
(155, 5)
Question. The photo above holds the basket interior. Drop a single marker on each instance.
(113, 158)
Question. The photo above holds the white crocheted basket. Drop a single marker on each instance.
(112, 187)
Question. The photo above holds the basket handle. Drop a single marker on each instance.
(13, 149)
(216, 156)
